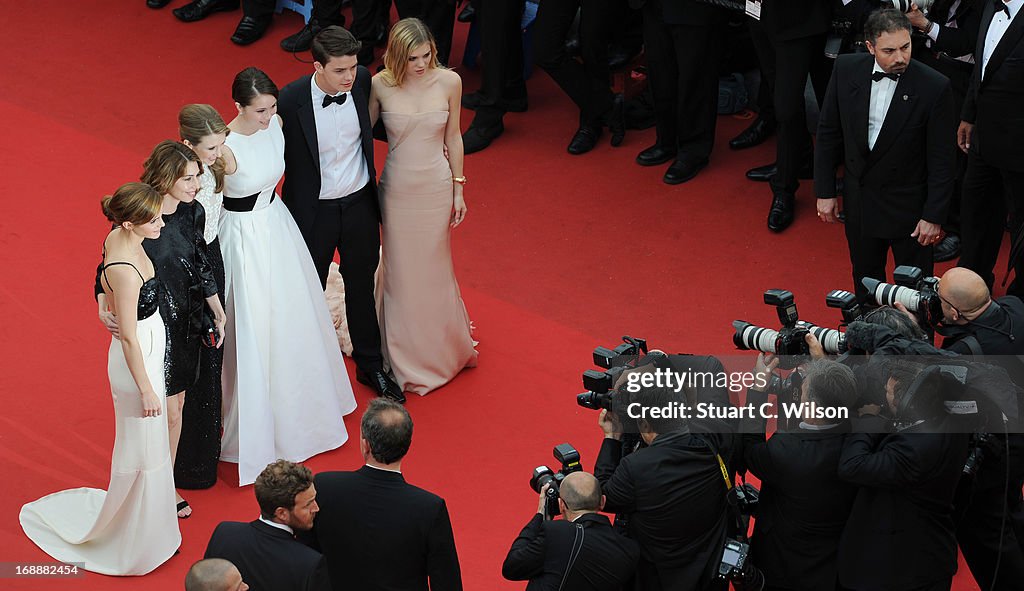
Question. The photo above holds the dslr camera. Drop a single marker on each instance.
(834, 341)
(919, 294)
(569, 459)
(787, 342)
(599, 384)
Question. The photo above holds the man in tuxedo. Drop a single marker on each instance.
(330, 187)
(803, 504)
(900, 534)
(681, 43)
(377, 532)
(580, 552)
(990, 129)
(214, 574)
(888, 120)
(789, 37)
(265, 551)
(672, 492)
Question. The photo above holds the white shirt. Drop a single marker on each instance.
(342, 166)
(996, 29)
(881, 97)
(278, 525)
(383, 469)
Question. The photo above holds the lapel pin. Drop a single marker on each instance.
(905, 97)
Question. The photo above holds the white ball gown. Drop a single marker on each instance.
(285, 385)
(131, 528)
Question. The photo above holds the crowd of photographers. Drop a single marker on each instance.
(917, 451)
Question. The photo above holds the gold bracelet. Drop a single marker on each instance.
(459, 179)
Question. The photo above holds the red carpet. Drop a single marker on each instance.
(558, 254)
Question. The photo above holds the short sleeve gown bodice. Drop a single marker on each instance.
(425, 329)
(285, 385)
(131, 528)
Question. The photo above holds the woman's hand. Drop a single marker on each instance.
(219, 323)
(459, 209)
(150, 404)
(109, 321)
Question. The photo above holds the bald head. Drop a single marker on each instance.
(581, 492)
(214, 574)
(965, 290)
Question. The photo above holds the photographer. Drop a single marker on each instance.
(803, 504)
(578, 553)
(975, 324)
(672, 492)
(900, 534)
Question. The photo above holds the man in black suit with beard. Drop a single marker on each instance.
(888, 120)
(265, 551)
(377, 532)
(330, 187)
(990, 133)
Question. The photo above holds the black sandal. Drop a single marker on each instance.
(181, 507)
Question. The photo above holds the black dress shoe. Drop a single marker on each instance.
(467, 14)
(478, 137)
(157, 3)
(655, 155)
(381, 383)
(617, 120)
(197, 10)
(780, 216)
(683, 170)
(250, 30)
(948, 249)
(764, 174)
(584, 140)
(302, 40)
(473, 101)
(755, 134)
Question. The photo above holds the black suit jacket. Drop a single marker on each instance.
(993, 103)
(900, 534)
(674, 495)
(269, 558)
(908, 176)
(803, 506)
(605, 562)
(379, 533)
(786, 20)
(684, 12)
(301, 190)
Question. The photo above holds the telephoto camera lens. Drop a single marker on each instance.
(887, 294)
(755, 338)
(832, 340)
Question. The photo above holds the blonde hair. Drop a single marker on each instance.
(406, 35)
(166, 164)
(196, 122)
(137, 203)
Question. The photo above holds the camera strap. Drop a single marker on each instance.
(725, 472)
(578, 539)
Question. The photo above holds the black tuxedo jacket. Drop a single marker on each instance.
(606, 559)
(962, 39)
(900, 534)
(908, 176)
(994, 102)
(301, 190)
(786, 20)
(269, 558)
(674, 495)
(803, 506)
(379, 533)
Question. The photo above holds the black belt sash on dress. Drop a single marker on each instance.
(243, 203)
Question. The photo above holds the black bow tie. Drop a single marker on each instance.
(340, 99)
(1000, 5)
(876, 76)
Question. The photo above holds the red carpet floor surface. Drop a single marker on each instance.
(559, 254)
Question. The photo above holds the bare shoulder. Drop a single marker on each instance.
(450, 78)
